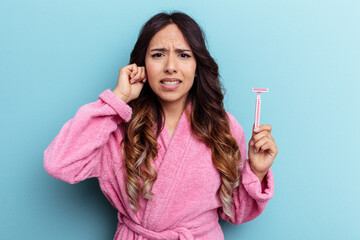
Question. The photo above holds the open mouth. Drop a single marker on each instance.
(170, 83)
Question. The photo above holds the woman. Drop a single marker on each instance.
(166, 153)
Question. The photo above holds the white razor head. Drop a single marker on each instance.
(260, 89)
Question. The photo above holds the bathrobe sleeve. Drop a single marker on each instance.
(76, 152)
(251, 196)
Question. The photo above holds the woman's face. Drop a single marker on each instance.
(170, 65)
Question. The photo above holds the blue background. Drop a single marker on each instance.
(56, 56)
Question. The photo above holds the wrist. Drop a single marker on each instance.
(260, 175)
(121, 96)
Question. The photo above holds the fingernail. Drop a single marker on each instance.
(132, 75)
(132, 81)
(251, 142)
(255, 151)
(256, 129)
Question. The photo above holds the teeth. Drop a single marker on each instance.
(171, 83)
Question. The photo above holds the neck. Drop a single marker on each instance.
(173, 111)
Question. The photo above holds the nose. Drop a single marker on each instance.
(171, 64)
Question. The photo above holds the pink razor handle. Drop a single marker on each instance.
(258, 104)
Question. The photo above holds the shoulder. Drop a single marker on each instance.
(235, 127)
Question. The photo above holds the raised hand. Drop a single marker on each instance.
(131, 81)
(262, 150)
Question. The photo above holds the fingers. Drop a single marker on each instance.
(138, 74)
(257, 136)
(263, 128)
(264, 144)
(261, 132)
(261, 145)
(262, 139)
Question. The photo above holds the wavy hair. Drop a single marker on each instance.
(209, 120)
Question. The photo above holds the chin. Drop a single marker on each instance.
(171, 99)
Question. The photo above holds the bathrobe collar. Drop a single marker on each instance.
(171, 163)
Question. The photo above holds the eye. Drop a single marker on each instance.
(184, 55)
(156, 55)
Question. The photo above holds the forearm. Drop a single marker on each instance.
(76, 150)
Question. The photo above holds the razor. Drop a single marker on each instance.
(258, 104)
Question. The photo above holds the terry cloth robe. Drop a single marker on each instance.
(187, 203)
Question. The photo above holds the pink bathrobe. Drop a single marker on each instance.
(187, 203)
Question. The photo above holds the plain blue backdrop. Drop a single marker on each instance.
(56, 56)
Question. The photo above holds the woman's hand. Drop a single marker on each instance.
(131, 81)
(262, 151)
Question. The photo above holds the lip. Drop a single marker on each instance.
(170, 87)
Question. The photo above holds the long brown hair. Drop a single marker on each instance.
(209, 121)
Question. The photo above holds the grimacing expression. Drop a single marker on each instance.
(170, 65)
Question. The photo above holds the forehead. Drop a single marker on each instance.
(169, 35)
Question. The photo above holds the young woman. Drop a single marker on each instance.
(167, 155)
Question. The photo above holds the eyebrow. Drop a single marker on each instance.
(164, 50)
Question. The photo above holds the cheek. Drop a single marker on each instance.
(191, 71)
(191, 68)
(152, 70)
(191, 83)
(151, 73)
